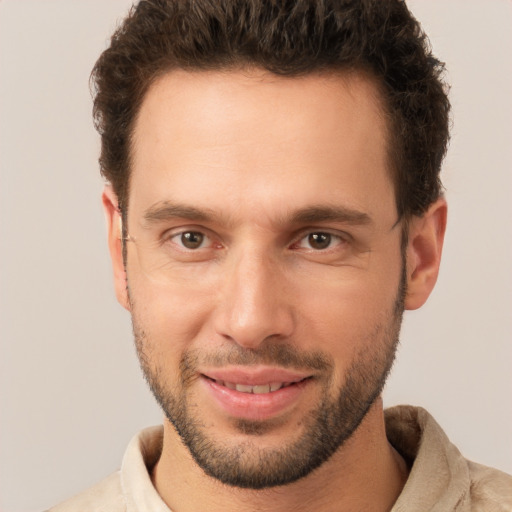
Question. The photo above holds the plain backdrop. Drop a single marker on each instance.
(71, 394)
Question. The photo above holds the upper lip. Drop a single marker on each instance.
(255, 375)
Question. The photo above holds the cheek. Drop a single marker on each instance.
(349, 316)
(171, 316)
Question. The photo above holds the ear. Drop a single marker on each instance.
(115, 243)
(424, 248)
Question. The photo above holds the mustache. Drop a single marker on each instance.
(269, 353)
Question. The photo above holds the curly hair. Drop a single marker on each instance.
(289, 38)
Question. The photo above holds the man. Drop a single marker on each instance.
(274, 205)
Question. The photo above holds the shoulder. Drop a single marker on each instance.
(104, 496)
(130, 488)
(490, 489)
(440, 477)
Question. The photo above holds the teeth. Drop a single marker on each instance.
(274, 386)
(243, 388)
(261, 389)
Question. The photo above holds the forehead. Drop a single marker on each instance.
(251, 139)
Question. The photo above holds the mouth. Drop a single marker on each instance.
(259, 389)
(257, 393)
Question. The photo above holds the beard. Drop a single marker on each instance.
(324, 429)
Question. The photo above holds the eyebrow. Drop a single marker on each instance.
(166, 210)
(330, 214)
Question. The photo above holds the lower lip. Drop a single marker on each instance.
(255, 406)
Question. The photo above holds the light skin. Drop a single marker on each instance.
(262, 214)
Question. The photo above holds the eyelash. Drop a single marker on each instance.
(179, 235)
(340, 239)
(334, 240)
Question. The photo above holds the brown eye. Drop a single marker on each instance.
(319, 240)
(192, 239)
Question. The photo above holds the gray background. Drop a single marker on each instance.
(71, 395)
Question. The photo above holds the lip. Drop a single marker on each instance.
(255, 376)
(251, 406)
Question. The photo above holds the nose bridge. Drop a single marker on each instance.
(253, 303)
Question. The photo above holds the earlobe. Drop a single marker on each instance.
(115, 243)
(425, 245)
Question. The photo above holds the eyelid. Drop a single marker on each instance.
(170, 234)
(214, 238)
(205, 241)
(303, 233)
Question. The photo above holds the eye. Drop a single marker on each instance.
(319, 241)
(191, 239)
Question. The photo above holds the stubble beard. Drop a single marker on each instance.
(325, 429)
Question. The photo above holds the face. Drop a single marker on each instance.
(264, 268)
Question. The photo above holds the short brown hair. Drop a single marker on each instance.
(285, 37)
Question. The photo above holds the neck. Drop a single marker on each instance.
(366, 473)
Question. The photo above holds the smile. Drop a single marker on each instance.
(255, 395)
(257, 390)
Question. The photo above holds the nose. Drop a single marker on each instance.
(254, 302)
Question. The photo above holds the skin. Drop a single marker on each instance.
(251, 150)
